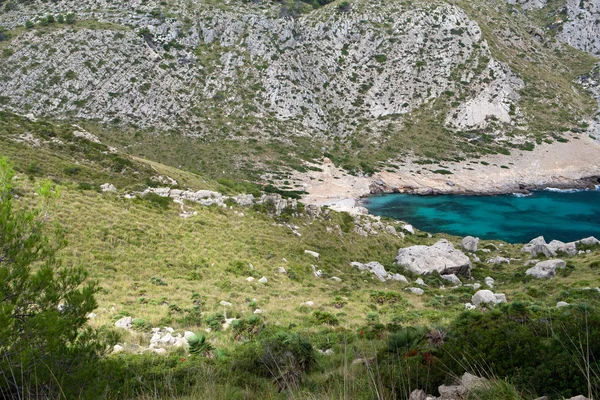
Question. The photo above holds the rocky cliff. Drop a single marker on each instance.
(363, 73)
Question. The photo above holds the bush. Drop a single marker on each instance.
(44, 340)
(283, 356)
(539, 350)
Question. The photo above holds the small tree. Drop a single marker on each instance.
(43, 306)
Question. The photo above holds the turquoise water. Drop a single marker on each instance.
(565, 216)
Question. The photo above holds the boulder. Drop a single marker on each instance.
(398, 277)
(452, 392)
(499, 260)
(417, 291)
(312, 253)
(108, 187)
(470, 381)
(546, 269)
(263, 280)
(538, 246)
(487, 297)
(561, 304)
(441, 257)
(374, 267)
(124, 323)
(409, 228)
(579, 397)
(452, 278)
(469, 243)
(590, 241)
(420, 282)
(418, 394)
(489, 281)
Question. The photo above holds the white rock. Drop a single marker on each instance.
(281, 270)
(92, 315)
(499, 260)
(167, 339)
(312, 253)
(225, 303)
(409, 228)
(124, 323)
(469, 306)
(335, 278)
(257, 311)
(159, 351)
(310, 303)
(263, 280)
(108, 187)
(441, 257)
(188, 334)
(452, 278)
(561, 304)
(399, 278)
(117, 349)
(546, 269)
(417, 291)
(249, 279)
(421, 282)
(487, 297)
(489, 281)
(470, 243)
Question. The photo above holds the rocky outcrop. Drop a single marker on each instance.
(546, 269)
(441, 257)
(539, 246)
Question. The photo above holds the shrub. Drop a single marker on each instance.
(544, 351)
(323, 317)
(44, 306)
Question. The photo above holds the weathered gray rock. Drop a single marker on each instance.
(579, 397)
(470, 243)
(546, 269)
(409, 228)
(263, 280)
(108, 187)
(470, 381)
(312, 253)
(452, 392)
(561, 304)
(452, 278)
(417, 291)
(374, 267)
(537, 246)
(590, 241)
(124, 323)
(489, 281)
(398, 277)
(417, 394)
(441, 257)
(487, 297)
(499, 260)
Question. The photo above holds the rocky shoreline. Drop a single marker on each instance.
(571, 165)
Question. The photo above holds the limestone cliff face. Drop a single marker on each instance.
(250, 69)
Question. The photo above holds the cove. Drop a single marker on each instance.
(562, 215)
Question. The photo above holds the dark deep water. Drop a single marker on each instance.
(561, 215)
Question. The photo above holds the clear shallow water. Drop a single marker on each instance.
(560, 215)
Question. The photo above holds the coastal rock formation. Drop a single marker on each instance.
(539, 246)
(441, 257)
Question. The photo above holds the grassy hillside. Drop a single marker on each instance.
(165, 270)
